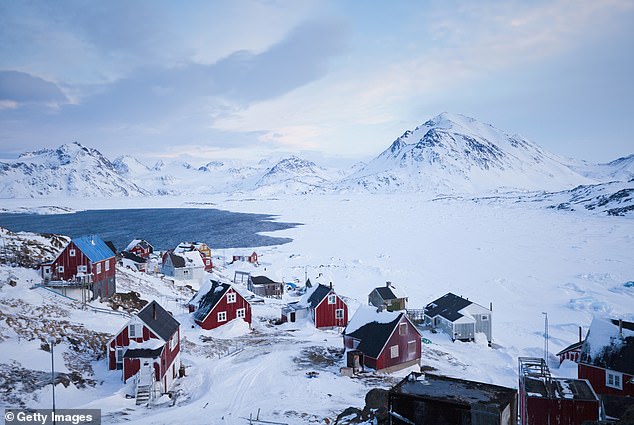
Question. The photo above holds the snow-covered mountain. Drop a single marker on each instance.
(620, 169)
(453, 153)
(613, 198)
(295, 175)
(70, 170)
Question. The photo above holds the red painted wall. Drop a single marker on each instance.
(324, 314)
(384, 361)
(559, 411)
(597, 376)
(141, 252)
(211, 321)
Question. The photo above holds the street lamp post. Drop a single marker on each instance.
(51, 342)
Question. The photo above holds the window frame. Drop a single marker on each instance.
(332, 299)
(617, 379)
(340, 314)
(394, 351)
(231, 298)
(222, 316)
(107, 265)
(71, 252)
(60, 269)
(98, 268)
(133, 328)
(402, 329)
(241, 313)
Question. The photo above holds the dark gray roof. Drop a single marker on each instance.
(320, 292)
(177, 261)
(110, 245)
(261, 280)
(143, 353)
(447, 306)
(159, 320)
(454, 391)
(210, 299)
(386, 293)
(133, 257)
(373, 336)
(571, 347)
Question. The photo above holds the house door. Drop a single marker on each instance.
(46, 274)
(292, 316)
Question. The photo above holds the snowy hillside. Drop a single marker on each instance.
(294, 175)
(70, 170)
(456, 154)
(614, 198)
(620, 169)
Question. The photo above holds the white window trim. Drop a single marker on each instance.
(82, 268)
(98, 268)
(60, 269)
(615, 376)
(173, 341)
(134, 328)
(402, 328)
(222, 316)
(118, 355)
(332, 299)
(241, 313)
(71, 252)
(231, 297)
(485, 317)
(339, 313)
(394, 351)
(107, 263)
(47, 270)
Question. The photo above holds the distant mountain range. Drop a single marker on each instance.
(449, 154)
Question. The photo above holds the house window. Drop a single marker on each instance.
(394, 351)
(222, 316)
(82, 269)
(71, 252)
(185, 271)
(241, 313)
(98, 268)
(60, 269)
(134, 331)
(332, 299)
(411, 349)
(402, 329)
(231, 297)
(339, 313)
(119, 357)
(485, 317)
(614, 379)
(107, 263)
(173, 341)
(47, 270)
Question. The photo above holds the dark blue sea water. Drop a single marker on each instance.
(164, 228)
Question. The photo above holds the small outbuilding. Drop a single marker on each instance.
(140, 247)
(388, 297)
(265, 287)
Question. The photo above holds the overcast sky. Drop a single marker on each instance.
(249, 79)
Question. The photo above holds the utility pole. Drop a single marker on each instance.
(52, 344)
(545, 336)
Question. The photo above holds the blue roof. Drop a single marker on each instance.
(93, 247)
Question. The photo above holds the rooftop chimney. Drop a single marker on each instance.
(330, 285)
(388, 283)
(491, 306)
(154, 311)
(580, 338)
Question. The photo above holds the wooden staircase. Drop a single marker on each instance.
(144, 384)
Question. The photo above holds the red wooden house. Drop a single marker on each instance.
(86, 262)
(607, 357)
(217, 304)
(322, 305)
(572, 352)
(140, 247)
(200, 247)
(149, 341)
(384, 341)
(253, 258)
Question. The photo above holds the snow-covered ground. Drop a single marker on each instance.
(522, 258)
